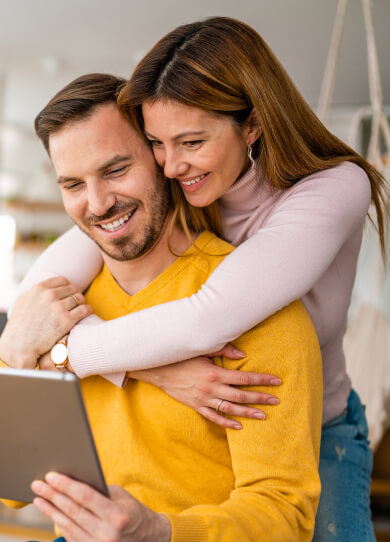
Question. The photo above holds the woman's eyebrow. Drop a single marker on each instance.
(181, 135)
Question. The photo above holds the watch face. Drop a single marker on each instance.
(59, 354)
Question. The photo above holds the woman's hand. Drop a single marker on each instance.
(39, 318)
(202, 385)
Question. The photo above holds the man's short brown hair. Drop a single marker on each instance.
(76, 101)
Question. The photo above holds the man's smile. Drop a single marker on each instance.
(117, 224)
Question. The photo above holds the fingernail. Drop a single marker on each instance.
(239, 353)
(273, 401)
(37, 486)
(237, 426)
(275, 381)
(259, 415)
(51, 477)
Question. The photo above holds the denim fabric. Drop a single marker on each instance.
(61, 539)
(345, 470)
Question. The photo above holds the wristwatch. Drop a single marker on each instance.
(59, 354)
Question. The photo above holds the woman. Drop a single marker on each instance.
(226, 124)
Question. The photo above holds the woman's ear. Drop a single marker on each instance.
(253, 128)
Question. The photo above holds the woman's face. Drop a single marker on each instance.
(203, 152)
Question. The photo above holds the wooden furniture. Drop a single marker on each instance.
(380, 490)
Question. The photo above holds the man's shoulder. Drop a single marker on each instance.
(212, 245)
(288, 330)
(208, 251)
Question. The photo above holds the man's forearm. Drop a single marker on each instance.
(162, 529)
(13, 353)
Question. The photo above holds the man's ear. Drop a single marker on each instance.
(253, 128)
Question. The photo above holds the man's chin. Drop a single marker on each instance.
(118, 249)
(122, 249)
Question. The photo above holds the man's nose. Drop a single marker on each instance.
(174, 164)
(100, 199)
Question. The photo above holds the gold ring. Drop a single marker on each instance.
(218, 405)
(74, 297)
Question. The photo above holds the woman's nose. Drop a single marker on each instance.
(174, 165)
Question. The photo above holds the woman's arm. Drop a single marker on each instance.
(73, 256)
(278, 264)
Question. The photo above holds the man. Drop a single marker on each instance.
(177, 476)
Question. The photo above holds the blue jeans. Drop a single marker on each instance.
(345, 470)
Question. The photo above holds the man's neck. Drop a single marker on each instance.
(134, 275)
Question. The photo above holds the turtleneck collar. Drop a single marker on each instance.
(247, 193)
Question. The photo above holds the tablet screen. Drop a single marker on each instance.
(43, 427)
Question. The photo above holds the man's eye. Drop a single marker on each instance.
(72, 187)
(116, 172)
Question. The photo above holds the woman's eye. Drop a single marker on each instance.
(155, 143)
(193, 144)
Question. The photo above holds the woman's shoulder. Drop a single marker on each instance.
(345, 186)
(346, 174)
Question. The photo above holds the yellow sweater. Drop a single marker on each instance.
(215, 485)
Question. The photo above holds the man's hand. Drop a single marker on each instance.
(84, 515)
(46, 364)
(39, 318)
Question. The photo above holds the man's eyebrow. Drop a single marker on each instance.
(115, 160)
(112, 162)
(181, 135)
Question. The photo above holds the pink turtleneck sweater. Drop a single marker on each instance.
(299, 243)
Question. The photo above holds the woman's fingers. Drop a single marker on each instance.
(246, 378)
(225, 408)
(229, 351)
(213, 416)
(233, 409)
(236, 395)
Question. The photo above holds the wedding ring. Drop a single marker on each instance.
(219, 405)
(77, 302)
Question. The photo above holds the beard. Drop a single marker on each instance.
(156, 204)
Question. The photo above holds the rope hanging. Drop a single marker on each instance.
(328, 80)
(380, 123)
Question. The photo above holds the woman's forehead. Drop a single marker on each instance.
(174, 116)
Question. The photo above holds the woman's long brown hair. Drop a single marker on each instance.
(222, 65)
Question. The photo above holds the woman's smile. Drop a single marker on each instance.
(191, 185)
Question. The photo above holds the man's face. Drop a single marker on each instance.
(110, 185)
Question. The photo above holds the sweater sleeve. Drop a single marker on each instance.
(281, 262)
(275, 462)
(73, 255)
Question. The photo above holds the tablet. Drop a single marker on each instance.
(43, 427)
